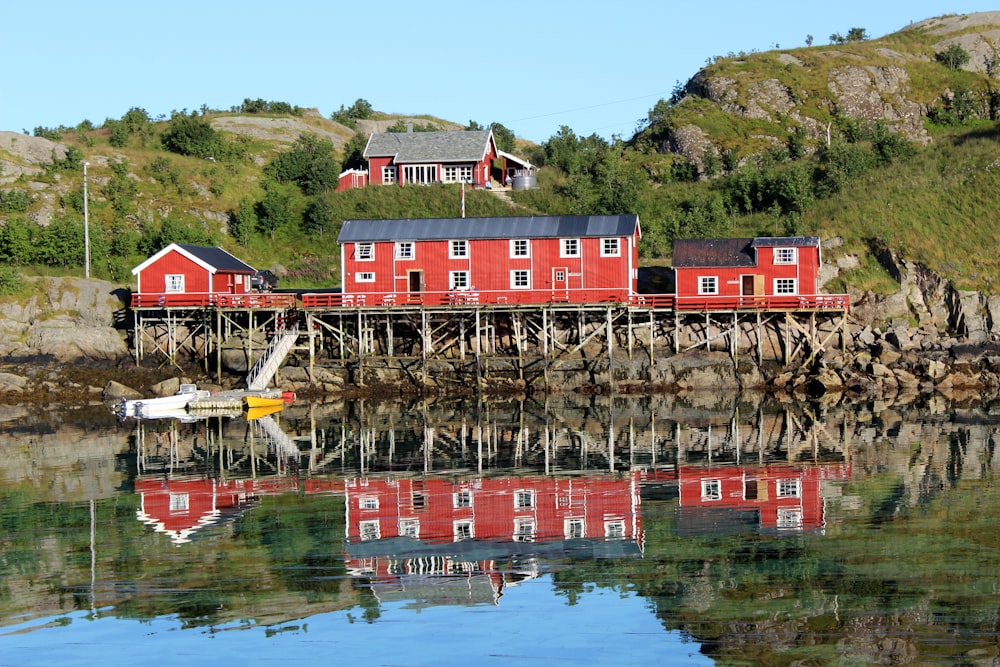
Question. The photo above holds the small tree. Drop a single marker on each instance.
(190, 135)
(242, 221)
(954, 57)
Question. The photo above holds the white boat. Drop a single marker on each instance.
(164, 405)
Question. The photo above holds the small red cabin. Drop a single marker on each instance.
(536, 259)
(786, 266)
(181, 269)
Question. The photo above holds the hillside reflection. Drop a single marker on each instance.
(753, 528)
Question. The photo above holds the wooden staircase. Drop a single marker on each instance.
(270, 361)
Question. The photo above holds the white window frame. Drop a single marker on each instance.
(611, 247)
(406, 250)
(524, 530)
(421, 174)
(458, 280)
(369, 530)
(409, 528)
(786, 286)
(464, 529)
(180, 502)
(614, 530)
(462, 499)
(364, 277)
(524, 498)
(389, 174)
(368, 503)
(574, 528)
(789, 518)
(711, 489)
(520, 248)
(789, 488)
(569, 247)
(173, 282)
(456, 173)
(458, 249)
(520, 279)
(364, 252)
(708, 285)
(785, 255)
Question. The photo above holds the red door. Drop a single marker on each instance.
(560, 283)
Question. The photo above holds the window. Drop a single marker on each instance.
(520, 279)
(711, 489)
(364, 252)
(462, 498)
(708, 285)
(574, 529)
(405, 250)
(789, 517)
(569, 248)
(389, 175)
(614, 530)
(610, 248)
(464, 531)
(457, 173)
(788, 488)
(520, 248)
(174, 282)
(179, 502)
(784, 255)
(369, 530)
(785, 286)
(423, 174)
(419, 500)
(409, 528)
(458, 249)
(368, 503)
(524, 530)
(458, 280)
(364, 277)
(523, 499)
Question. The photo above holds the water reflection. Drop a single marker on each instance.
(767, 533)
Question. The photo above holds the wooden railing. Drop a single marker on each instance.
(324, 300)
(206, 300)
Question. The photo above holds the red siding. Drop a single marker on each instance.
(153, 278)
(805, 270)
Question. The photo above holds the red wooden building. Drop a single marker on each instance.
(192, 272)
(737, 498)
(763, 267)
(352, 178)
(404, 158)
(531, 259)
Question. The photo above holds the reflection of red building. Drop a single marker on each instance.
(774, 497)
(182, 506)
(441, 527)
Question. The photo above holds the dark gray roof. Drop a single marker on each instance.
(713, 252)
(218, 258)
(461, 146)
(785, 241)
(523, 227)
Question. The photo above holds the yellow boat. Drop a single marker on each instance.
(263, 401)
(256, 413)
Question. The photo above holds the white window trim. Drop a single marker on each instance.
(452, 283)
(173, 282)
(459, 497)
(364, 277)
(617, 252)
(524, 530)
(406, 244)
(794, 255)
(389, 174)
(570, 525)
(462, 523)
(364, 255)
(409, 528)
(457, 173)
(789, 518)
(701, 285)
(513, 278)
(564, 249)
(527, 244)
(452, 254)
(711, 489)
(789, 488)
(370, 530)
(529, 494)
(792, 281)
(368, 503)
(614, 529)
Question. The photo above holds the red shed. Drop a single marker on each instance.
(352, 178)
(531, 259)
(761, 267)
(193, 270)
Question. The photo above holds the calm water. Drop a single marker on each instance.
(624, 531)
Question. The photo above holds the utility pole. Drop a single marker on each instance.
(86, 227)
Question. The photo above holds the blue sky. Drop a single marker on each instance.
(595, 66)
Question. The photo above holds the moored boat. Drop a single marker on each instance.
(257, 401)
(162, 405)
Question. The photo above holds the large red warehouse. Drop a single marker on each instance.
(529, 259)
